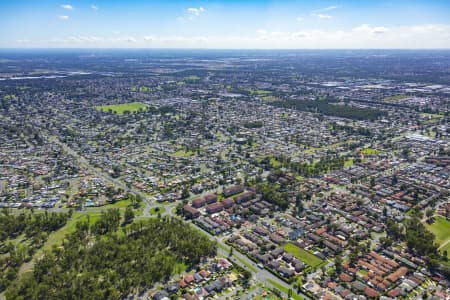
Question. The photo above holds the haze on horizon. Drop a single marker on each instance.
(225, 24)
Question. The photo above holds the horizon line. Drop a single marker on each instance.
(213, 49)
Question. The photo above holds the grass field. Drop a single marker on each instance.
(432, 116)
(305, 256)
(119, 204)
(445, 247)
(182, 153)
(441, 229)
(120, 109)
(348, 163)
(156, 210)
(284, 289)
(56, 237)
(274, 162)
(369, 151)
(271, 98)
(395, 98)
(9, 97)
(192, 78)
(258, 92)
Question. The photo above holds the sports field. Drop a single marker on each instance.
(120, 109)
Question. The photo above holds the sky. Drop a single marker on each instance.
(226, 24)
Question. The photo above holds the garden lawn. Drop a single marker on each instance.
(305, 256)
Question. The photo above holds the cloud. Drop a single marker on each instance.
(67, 6)
(367, 29)
(191, 13)
(328, 8)
(300, 34)
(365, 36)
(322, 16)
(94, 7)
(299, 19)
(77, 40)
(333, 7)
(64, 17)
(321, 13)
(379, 30)
(196, 11)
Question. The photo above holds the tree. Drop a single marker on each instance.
(185, 193)
(429, 213)
(126, 263)
(128, 216)
(353, 258)
(299, 203)
(386, 241)
(338, 264)
(445, 255)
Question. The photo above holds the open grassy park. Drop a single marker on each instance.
(120, 109)
(183, 153)
(305, 256)
(192, 78)
(369, 151)
(260, 92)
(55, 238)
(395, 98)
(441, 229)
(348, 163)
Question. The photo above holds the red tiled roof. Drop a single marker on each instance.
(397, 274)
(320, 231)
(344, 293)
(393, 293)
(204, 273)
(182, 283)
(345, 277)
(188, 279)
(332, 285)
(371, 293)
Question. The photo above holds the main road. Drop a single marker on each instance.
(99, 173)
(261, 275)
